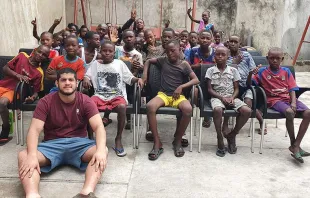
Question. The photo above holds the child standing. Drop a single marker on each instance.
(280, 86)
(217, 39)
(223, 86)
(109, 81)
(204, 22)
(173, 74)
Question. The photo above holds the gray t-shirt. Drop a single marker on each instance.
(223, 83)
(172, 76)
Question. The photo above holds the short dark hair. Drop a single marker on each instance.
(184, 31)
(107, 42)
(70, 37)
(66, 71)
(174, 41)
(205, 31)
(46, 33)
(169, 30)
(193, 32)
(72, 24)
(83, 26)
(128, 30)
(90, 34)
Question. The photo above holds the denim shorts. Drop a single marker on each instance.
(65, 151)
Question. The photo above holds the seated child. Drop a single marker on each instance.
(280, 86)
(204, 22)
(108, 80)
(46, 38)
(217, 39)
(20, 68)
(70, 60)
(173, 74)
(223, 86)
(184, 40)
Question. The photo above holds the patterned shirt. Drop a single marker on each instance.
(276, 85)
(246, 65)
(196, 56)
(223, 83)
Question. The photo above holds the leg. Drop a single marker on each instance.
(121, 116)
(31, 185)
(128, 123)
(225, 128)
(4, 113)
(302, 128)
(217, 119)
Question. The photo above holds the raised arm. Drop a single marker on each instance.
(56, 22)
(130, 21)
(190, 16)
(34, 30)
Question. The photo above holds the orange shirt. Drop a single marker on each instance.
(78, 65)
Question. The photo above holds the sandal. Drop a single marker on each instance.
(155, 153)
(106, 121)
(221, 152)
(184, 141)
(178, 150)
(231, 147)
(120, 152)
(297, 156)
(149, 136)
(303, 153)
(206, 124)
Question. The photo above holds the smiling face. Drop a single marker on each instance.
(140, 24)
(184, 37)
(102, 30)
(41, 53)
(205, 16)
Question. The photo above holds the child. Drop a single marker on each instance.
(217, 39)
(173, 74)
(204, 22)
(82, 33)
(139, 47)
(70, 60)
(20, 68)
(89, 53)
(102, 30)
(57, 42)
(108, 80)
(280, 86)
(51, 30)
(193, 39)
(184, 43)
(223, 86)
(46, 38)
(150, 44)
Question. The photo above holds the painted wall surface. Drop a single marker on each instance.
(16, 17)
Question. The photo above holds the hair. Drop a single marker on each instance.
(71, 37)
(234, 35)
(216, 32)
(72, 24)
(204, 31)
(108, 23)
(169, 30)
(90, 34)
(184, 31)
(275, 49)
(102, 25)
(174, 41)
(147, 31)
(46, 33)
(128, 30)
(56, 35)
(106, 42)
(193, 32)
(66, 71)
(207, 11)
(83, 26)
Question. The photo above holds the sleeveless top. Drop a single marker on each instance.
(87, 65)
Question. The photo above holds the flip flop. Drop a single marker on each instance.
(206, 124)
(3, 141)
(149, 136)
(231, 147)
(120, 152)
(298, 157)
(184, 141)
(106, 121)
(221, 152)
(155, 153)
(178, 150)
(303, 153)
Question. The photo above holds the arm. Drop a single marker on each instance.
(9, 72)
(146, 68)
(56, 22)
(194, 81)
(211, 91)
(293, 100)
(236, 90)
(51, 74)
(190, 16)
(249, 79)
(34, 30)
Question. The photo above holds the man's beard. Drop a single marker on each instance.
(66, 93)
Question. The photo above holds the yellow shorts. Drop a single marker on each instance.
(7, 93)
(169, 101)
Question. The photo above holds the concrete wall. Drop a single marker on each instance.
(16, 17)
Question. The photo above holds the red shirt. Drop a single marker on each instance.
(77, 65)
(276, 85)
(20, 64)
(53, 53)
(65, 120)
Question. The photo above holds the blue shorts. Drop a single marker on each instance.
(65, 151)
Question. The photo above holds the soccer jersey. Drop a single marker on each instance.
(78, 65)
(20, 64)
(53, 53)
(196, 56)
(277, 85)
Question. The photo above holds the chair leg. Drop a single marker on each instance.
(196, 119)
(286, 133)
(140, 118)
(199, 138)
(277, 124)
(252, 131)
(22, 134)
(16, 127)
(132, 125)
(262, 138)
(191, 136)
(137, 117)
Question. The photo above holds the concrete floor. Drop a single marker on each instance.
(271, 174)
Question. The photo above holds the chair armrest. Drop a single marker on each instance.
(192, 95)
(260, 93)
(15, 98)
(80, 86)
(24, 91)
(200, 97)
(254, 101)
(301, 91)
(138, 94)
(134, 97)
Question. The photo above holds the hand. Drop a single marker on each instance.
(28, 166)
(255, 70)
(141, 83)
(34, 22)
(238, 59)
(22, 78)
(99, 159)
(189, 10)
(57, 21)
(230, 101)
(133, 14)
(136, 65)
(50, 71)
(86, 83)
(293, 106)
(30, 99)
(167, 24)
(177, 93)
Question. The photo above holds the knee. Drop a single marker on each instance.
(187, 110)
(245, 111)
(3, 104)
(218, 111)
(248, 101)
(306, 115)
(151, 108)
(289, 114)
(122, 108)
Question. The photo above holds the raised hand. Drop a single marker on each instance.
(57, 21)
(34, 22)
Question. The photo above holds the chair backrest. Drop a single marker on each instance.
(3, 61)
(255, 53)
(154, 77)
(260, 60)
(203, 84)
(26, 50)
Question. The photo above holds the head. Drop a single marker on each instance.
(182, 46)
(92, 39)
(149, 37)
(46, 39)
(177, 35)
(173, 50)
(65, 34)
(205, 38)
(221, 55)
(275, 57)
(184, 36)
(141, 35)
(102, 30)
(217, 37)
(193, 39)
(129, 38)
(83, 31)
(73, 28)
(57, 40)
(205, 16)
(139, 24)
(139, 43)
(41, 53)
(234, 43)
(71, 45)
(109, 26)
(66, 81)
(107, 52)
(167, 35)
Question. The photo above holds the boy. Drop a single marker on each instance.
(193, 39)
(46, 38)
(108, 80)
(20, 68)
(57, 42)
(173, 74)
(223, 86)
(70, 60)
(280, 86)
(102, 30)
(184, 39)
(89, 53)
